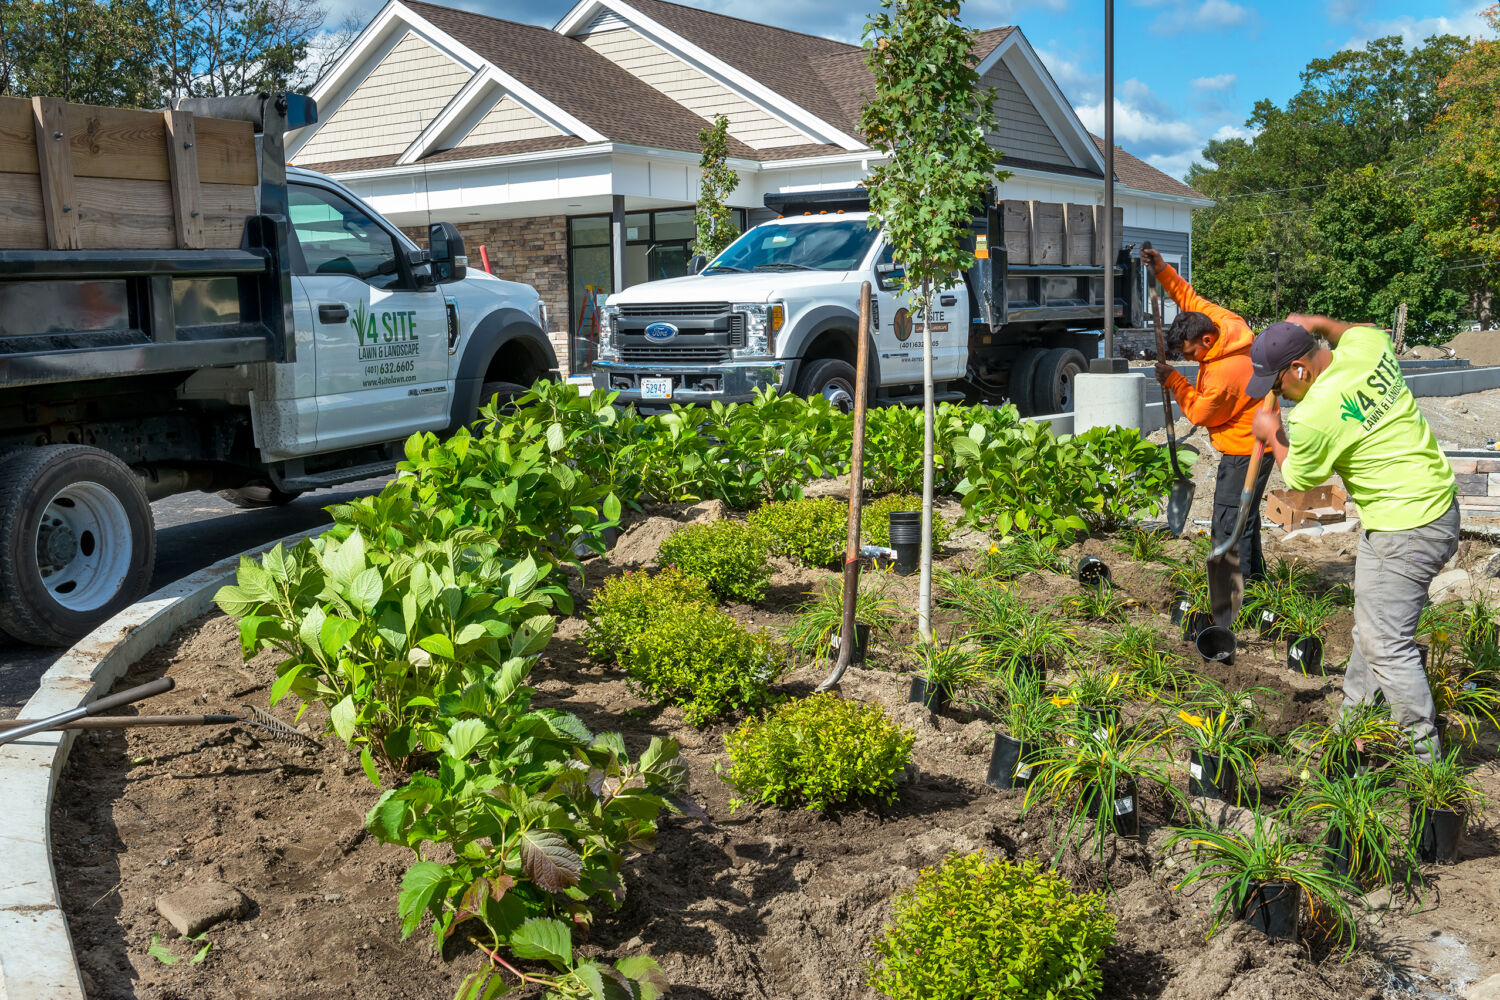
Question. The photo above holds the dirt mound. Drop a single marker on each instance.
(1480, 347)
(641, 543)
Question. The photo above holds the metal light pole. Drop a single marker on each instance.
(1109, 179)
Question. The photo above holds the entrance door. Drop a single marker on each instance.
(382, 347)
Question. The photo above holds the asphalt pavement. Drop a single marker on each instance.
(193, 530)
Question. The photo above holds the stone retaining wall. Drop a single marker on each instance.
(1478, 485)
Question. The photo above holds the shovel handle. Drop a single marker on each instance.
(1252, 473)
(1161, 355)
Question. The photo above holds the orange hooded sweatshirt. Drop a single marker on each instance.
(1218, 401)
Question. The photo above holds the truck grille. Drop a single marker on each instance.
(667, 354)
(677, 310)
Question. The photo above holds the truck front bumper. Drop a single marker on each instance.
(731, 382)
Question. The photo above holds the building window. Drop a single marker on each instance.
(590, 277)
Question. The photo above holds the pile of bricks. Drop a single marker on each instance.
(1478, 485)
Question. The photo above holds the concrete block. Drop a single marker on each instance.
(1487, 465)
(195, 908)
(1476, 484)
(1494, 484)
(1108, 401)
(1462, 466)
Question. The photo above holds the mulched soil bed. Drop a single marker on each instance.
(762, 903)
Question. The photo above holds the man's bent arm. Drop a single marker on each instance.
(1329, 329)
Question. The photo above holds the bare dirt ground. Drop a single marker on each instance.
(762, 903)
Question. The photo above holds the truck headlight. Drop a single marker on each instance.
(762, 322)
(609, 334)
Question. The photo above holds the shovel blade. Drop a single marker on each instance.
(1179, 505)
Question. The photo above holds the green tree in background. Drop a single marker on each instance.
(712, 217)
(1320, 210)
(79, 50)
(932, 121)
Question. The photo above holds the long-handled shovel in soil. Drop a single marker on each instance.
(856, 494)
(1251, 475)
(1180, 498)
(262, 722)
(22, 729)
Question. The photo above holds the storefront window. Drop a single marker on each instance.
(590, 277)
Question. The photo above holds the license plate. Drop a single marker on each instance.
(656, 388)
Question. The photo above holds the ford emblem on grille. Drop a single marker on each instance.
(660, 333)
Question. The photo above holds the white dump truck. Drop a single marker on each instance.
(181, 311)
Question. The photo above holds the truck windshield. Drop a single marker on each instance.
(820, 246)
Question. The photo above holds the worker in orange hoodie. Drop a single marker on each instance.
(1219, 341)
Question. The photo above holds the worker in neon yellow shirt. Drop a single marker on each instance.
(1356, 416)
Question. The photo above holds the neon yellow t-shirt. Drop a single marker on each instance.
(1360, 420)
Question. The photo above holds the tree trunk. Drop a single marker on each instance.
(929, 419)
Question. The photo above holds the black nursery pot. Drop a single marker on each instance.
(1216, 644)
(1098, 718)
(1268, 625)
(1006, 769)
(1438, 834)
(906, 539)
(936, 697)
(1123, 808)
(1181, 601)
(1195, 622)
(1092, 572)
(1341, 857)
(861, 643)
(1209, 775)
(1305, 653)
(1273, 908)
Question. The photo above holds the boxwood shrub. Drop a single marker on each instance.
(626, 605)
(700, 658)
(820, 750)
(982, 928)
(811, 531)
(875, 519)
(730, 555)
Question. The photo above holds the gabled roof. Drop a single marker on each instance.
(1136, 173)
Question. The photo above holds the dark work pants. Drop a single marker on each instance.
(1227, 574)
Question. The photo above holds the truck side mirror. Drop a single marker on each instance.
(446, 253)
(696, 263)
(888, 276)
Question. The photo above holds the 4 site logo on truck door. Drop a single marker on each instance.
(389, 344)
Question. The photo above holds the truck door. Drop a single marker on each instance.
(900, 336)
(382, 352)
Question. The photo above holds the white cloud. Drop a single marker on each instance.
(1221, 82)
(1139, 130)
(1202, 17)
(1415, 30)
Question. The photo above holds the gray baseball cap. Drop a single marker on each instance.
(1277, 346)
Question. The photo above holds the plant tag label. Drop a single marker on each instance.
(1183, 606)
(1267, 617)
(1101, 733)
(1295, 652)
(1197, 771)
(1023, 773)
(1125, 806)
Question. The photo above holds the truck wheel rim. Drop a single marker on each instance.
(840, 394)
(1065, 388)
(83, 546)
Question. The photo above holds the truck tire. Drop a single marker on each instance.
(77, 542)
(830, 378)
(1052, 385)
(259, 497)
(507, 391)
(1022, 373)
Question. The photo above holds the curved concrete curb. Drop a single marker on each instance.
(36, 953)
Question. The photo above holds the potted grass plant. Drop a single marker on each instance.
(815, 632)
(1443, 797)
(1222, 752)
(1024, 553)
(1096, 695)
(1027, 719)
(1150, 671)
(945, 667)
(1266, 873)
(1008, 632)
(1303, 616)
(1349, 741)
(1465, 695)
(1092, 779)
(1362, 812)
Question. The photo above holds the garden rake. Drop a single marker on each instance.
(264, 723)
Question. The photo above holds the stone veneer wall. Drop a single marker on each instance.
(531, 251)
(1478, 485)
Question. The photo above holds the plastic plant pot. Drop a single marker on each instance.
(1211, 776)
(1216, 644)
(906, 539)
(1305, 653)
(1273, 908)
(1092, 572)
(861, 643)
(1438, 834)
(1195, 622)
(1181, 601)
(1122, 808)
(936, 697)
(1098, 718)
(1006, 770)
(1268, 625)
(1342, 765)
(1341, 858)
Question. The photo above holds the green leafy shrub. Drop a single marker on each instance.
(875, 519)
(703, 660)
(811, 531)
(627, 605)
(730, 555)
(821, 750)
(980, 928)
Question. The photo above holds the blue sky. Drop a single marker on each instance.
(1185, 70)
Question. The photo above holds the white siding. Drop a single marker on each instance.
(693, 89)
(1023, 132)
(508, 121)
(390, 107)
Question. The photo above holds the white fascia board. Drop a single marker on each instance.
(748, 88)
(653, 153)
(861, 156)
(582, 13)
(1032, 74)
(1096, 185)
(1179, 199)
(478, 163)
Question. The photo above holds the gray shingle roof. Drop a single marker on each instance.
(1136, 173)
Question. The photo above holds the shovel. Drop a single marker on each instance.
(1180, 499)
(1251, 475)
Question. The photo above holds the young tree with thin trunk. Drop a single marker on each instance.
(932, 120)
(713, 218)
